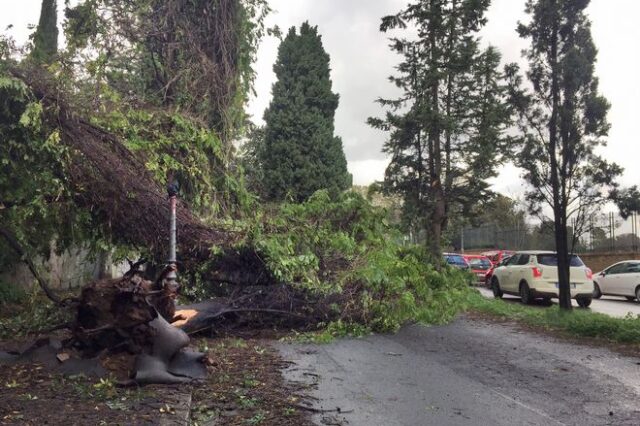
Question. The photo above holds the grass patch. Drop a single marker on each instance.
(578, 322)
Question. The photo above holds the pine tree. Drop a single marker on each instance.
(446, 129)
(563, 119)
(45, 39)
(301, 154)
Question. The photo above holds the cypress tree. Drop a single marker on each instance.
(301, 154)
(45, 39)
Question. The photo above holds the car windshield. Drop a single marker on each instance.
(505, 260)
(455, 260)
(552, 260)
(479, 263)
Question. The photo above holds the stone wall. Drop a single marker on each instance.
(71, 269)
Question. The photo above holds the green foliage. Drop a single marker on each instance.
(35, 203)
(301, 154)
(195, 57)
(250, 157)
(446, 130)
(344, 250)
(580, 323)
(172, 143)
(45, 39)
(627, 200)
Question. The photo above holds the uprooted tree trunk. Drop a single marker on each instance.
(131, 313)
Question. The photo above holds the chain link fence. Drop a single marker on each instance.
(605, 233)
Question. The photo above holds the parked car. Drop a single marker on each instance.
(456, 260)
(496, 256)
(534, 274)
(479, 265)
(504, 260)
(620, 279)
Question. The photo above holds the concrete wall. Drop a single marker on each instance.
(599, 261)
(71, 269)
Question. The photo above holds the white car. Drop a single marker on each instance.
(534, 274)
(620, 279)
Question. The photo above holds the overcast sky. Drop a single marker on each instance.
(361, 63)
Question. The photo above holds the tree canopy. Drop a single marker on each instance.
(45, 39)
(301, 154)
(446, 129)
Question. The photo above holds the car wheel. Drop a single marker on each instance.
(638, 293)
(495, 286)
(630, 298)
(584, 302)
(597, 294)
(547, 301)
(525, 293)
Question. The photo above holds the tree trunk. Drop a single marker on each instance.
(435, 152)
(45, 41)
(562, 250)
(437, 220)
(559, 205)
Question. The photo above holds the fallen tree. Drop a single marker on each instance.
(107, 179)
(332, 263)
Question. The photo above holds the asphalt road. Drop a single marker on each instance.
(610, 305)
(466, 373)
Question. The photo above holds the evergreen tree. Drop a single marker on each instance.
(563, 119)
(446, 128)
(301, 154)
(45, 39)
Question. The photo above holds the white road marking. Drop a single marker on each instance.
(528, 407)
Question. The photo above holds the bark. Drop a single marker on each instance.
(559, 206)
(435, 152)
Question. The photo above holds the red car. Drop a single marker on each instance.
(496, 256)
(479, 266)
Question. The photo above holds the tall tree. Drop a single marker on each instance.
(446, 129)
(193, 56)
(301, 153)
(563, 119)
(45, 39)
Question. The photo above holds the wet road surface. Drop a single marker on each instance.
(467, 373)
